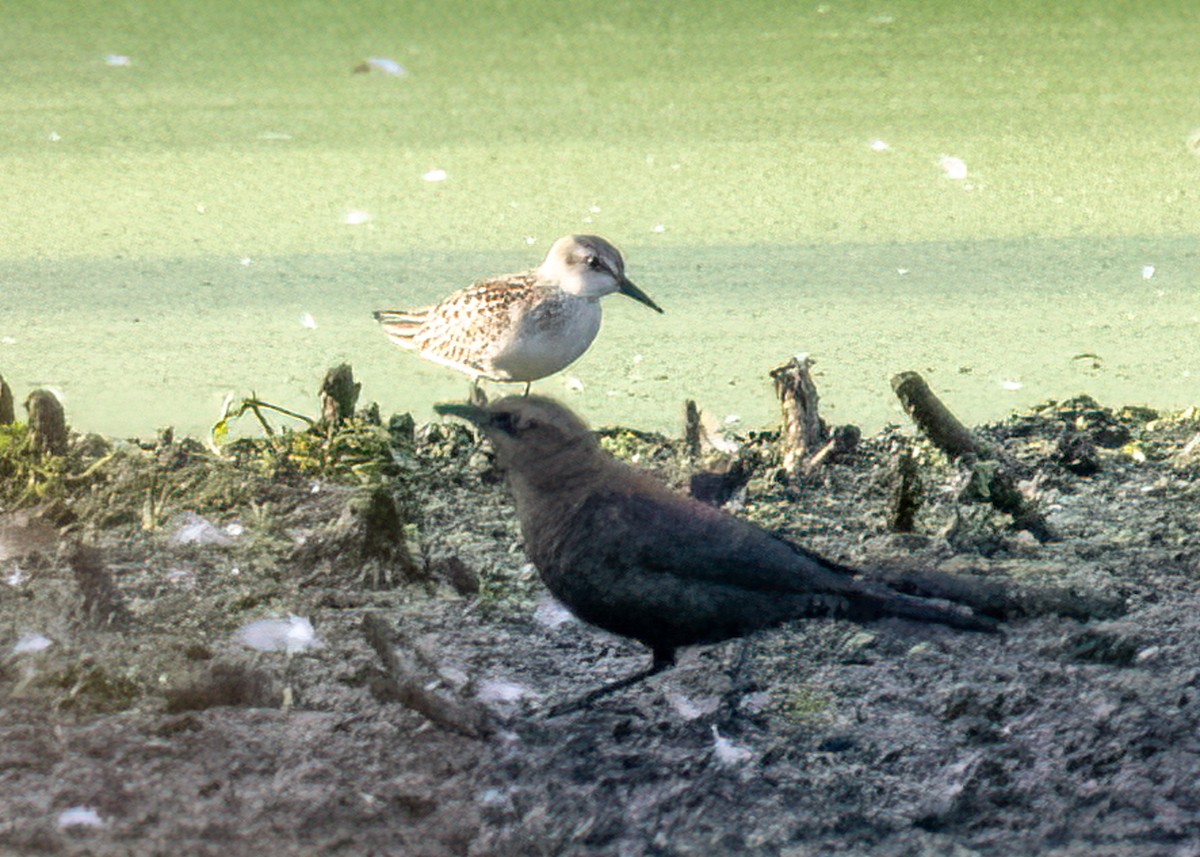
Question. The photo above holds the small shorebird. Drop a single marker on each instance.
(520, 327)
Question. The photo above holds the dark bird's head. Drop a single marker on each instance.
(536, 439)
(588, 266)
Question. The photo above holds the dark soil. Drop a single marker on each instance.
(1062, 736)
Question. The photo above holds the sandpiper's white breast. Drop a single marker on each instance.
(547, 336)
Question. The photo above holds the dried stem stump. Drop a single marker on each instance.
(47, 423)
(692, 431)
(409, 680)
(908, 494)
(339, 395)
(803, 430)
(933, 418)
(7, 413)
(991, 478)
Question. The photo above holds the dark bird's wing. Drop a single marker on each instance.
(661, 567)
(671, 534)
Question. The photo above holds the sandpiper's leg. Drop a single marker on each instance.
(527, 384)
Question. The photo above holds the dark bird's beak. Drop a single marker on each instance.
(471, 413)
(626, 287)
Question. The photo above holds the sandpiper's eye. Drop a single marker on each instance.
(593, 262)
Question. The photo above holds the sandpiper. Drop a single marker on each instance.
(520, 327)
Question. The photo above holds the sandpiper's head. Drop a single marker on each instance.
(588, 266)
(535, 438)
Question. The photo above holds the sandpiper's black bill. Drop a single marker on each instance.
(626, 287)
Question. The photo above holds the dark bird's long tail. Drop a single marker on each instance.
(873, 601)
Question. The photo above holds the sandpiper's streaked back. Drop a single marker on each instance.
(520, 327)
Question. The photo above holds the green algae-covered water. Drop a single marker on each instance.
(204, 198)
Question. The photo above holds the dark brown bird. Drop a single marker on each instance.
(627, 554)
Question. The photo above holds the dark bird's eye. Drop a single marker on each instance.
(507, 423)
(593, 262)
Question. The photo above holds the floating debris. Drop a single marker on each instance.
(246, 261)
(356, 218)
(274, 135)
(386, 65)
(1193, 142)
(1011, 385)
(80, 816)
(880, 146)
(435, 176)
(293, 634)
(308, 321)
(30, 642)
(193, 529)
(954, 168)
(54, 138)
(118, 61)
(573, 384)
(658, 227)
(1148, 272)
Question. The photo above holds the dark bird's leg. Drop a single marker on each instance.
(739, 674)
(741, 678)
(527, 385)
(663, 658)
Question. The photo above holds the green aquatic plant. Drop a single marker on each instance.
(357, 449)
(26, 475)
(805, 704)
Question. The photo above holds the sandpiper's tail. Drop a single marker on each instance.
(401, 326)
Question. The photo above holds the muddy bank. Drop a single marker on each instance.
(143, 696)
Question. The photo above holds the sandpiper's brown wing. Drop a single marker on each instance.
(464, 331)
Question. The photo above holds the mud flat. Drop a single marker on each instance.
(192, 660)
